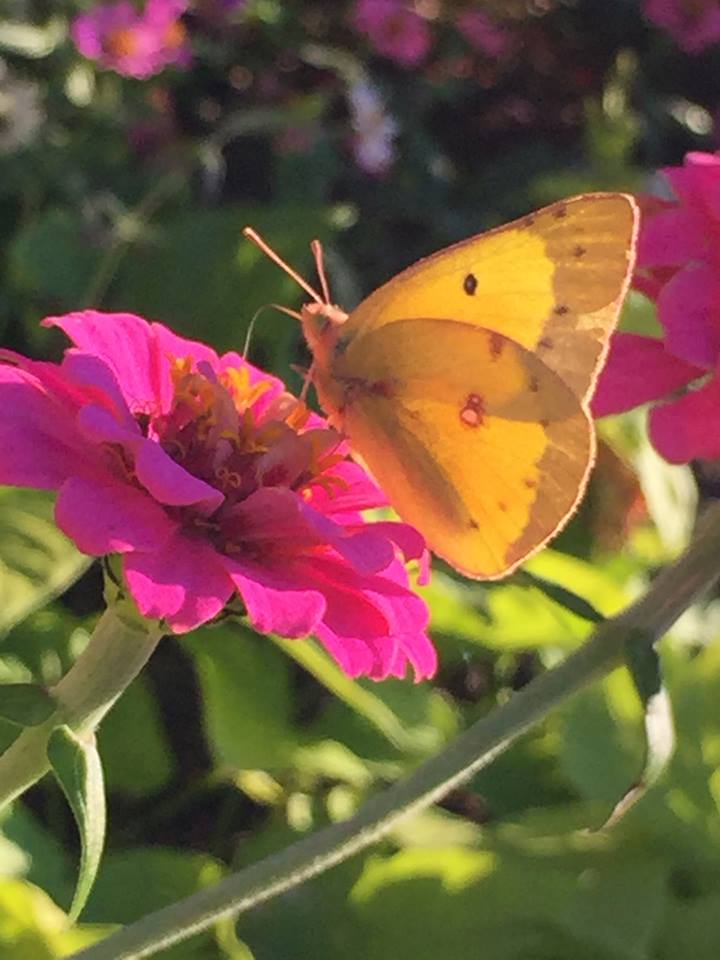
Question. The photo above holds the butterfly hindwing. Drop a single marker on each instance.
(477, 443)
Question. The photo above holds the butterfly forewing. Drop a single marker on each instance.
(552, 281)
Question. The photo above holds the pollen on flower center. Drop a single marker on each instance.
(122, 42)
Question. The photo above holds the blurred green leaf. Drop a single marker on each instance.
(76, 765)
(33, 928)
(25, 704)
(198, 273)
(137, 881)
(53, 259)
(133, 744)
(246, 698)
(37, 562)
(40, 856)
(363, 700)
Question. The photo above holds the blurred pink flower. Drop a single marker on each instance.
(374, 129)
(132, 43)
(394, 29)
(679, 268)
(483, 34)
(693, 24)
(211, 483)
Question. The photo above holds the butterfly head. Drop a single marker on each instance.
(320, 318)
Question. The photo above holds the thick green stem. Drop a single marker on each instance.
(644, 622)
(117, 651)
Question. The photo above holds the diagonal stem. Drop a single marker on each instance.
(644, 622)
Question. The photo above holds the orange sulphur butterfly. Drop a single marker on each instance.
(463, 383)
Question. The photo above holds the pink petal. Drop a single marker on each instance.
(124, 341)
(98, 425)
(689, 427)
(110, 517)
(638, 370)
(39, 446)
(98, 381)
(169, 482)
(275, 602)
(672, 238)
(689, 309)
(182, 582)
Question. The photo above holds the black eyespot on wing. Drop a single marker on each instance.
(470, 284)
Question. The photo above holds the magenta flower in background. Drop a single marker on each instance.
(693, 24)
(394, 28)
(136, 44)
(679, 268)
(212, 483)
(483, 34)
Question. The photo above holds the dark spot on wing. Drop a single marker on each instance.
(561, 309)
(497, 342)
(546, 343)
(560, 211)
(533, 385)
(502, 507)
(579, 251)
(472, 413)
(473, 524)
(530, 484)
(470, 284)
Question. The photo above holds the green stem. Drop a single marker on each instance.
(644, 622)
(117, 651)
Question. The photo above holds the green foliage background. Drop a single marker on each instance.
(131, 196)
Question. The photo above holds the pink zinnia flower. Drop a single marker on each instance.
(679, 268)
(394, 29)
(212, 483)
(132, 43)
(484, 35)
(693, 24)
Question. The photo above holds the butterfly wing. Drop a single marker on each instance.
(552, 281)
(474, 439)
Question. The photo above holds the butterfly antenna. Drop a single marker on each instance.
(250, 329)
(317, 252)
(255, 237)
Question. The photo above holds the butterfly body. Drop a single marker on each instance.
(463, 383)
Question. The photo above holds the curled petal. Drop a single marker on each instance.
(276, 603)
(124, 342)
(110, 517)
(183, 583)
(169, 482)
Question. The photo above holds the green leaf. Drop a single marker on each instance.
(32, 927)
(220, 279)
(76, 765)
(51, 258)
(564, 597)
(134, 882)
(136, 754)
(246, 698)
(25, 704)
(37, 562)
(365, 702)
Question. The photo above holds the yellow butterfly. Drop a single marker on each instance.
(464, 382)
